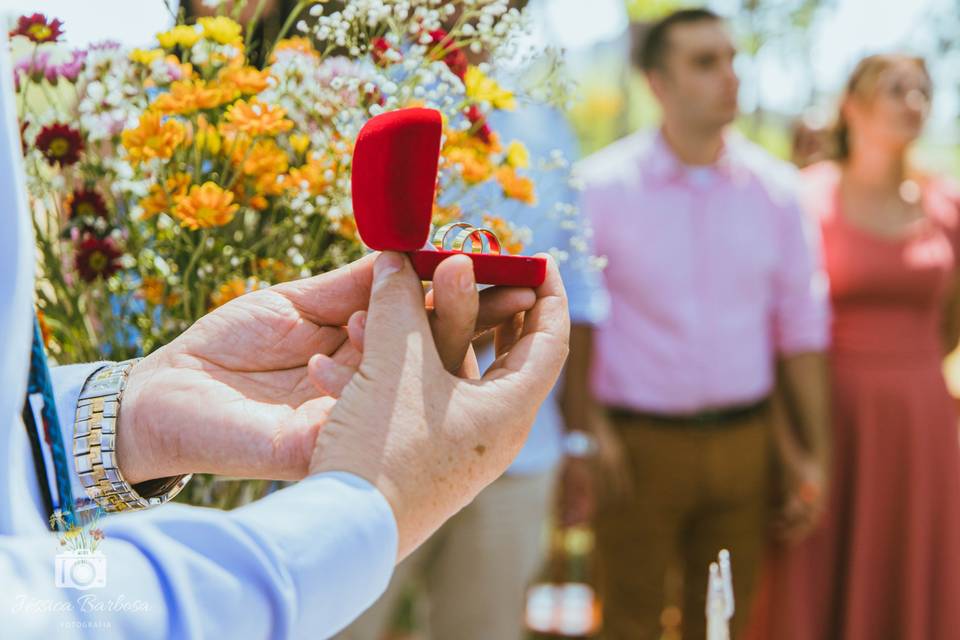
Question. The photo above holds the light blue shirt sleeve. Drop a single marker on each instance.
(302, 562)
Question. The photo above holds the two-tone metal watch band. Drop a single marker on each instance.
(94, 445)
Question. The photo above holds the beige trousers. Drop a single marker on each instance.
(473, 573)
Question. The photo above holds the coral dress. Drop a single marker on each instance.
(885, 564)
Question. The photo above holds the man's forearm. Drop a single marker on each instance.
(806, 393)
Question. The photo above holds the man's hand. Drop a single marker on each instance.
(232, 394)
(430, 440)
(606, 473)
(804, 501)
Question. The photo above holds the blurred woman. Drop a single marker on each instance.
(885, 561)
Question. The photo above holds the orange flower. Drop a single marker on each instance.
(154, 137)
(264, 158)
(505, 232)
(474, 167)
(186, 96)
(274, 271)
(234, 288)
(296, 44)
(256, 118)
(206, 206)
(152, 289)
(516, 187)
(312, 176)
(445, 214)
(163, 197)
(247, 80)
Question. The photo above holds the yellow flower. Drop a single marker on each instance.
(246, 80)
(208, 138)
(505, 232)
(206, 206)
(516, 187)
(256, 118)
(234, 288)
(182, 35)
(517, 155)
(162, 198)
(481, 88)
(299, 143)
(153, 138)
(221, 30)
(146, 57)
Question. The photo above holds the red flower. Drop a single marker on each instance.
(455, 58)
(59, 144)
(97, 257)
(479, 127)
(86, 203)
(38, 29)
(378, 51)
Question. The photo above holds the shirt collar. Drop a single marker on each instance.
(661, 164)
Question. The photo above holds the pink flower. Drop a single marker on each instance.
(34, 67)
(68, 69)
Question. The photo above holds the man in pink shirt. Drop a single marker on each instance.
(716, 296)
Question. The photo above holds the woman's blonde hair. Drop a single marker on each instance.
(863, 83)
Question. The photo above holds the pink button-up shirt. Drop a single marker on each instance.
(711, 272)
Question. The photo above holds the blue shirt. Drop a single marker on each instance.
(555, 223)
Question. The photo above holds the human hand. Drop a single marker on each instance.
(232, 395)
(804, 499)
(427, 439)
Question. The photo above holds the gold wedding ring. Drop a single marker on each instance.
(481, 239)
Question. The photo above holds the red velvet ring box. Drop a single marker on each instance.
(394, 177)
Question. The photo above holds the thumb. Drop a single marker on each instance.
(396, 311)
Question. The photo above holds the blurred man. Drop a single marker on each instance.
(712, 285)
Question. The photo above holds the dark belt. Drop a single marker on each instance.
(712, 417)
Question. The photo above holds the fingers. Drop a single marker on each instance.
(507, 334)
(396, 313)
(456, 304)
(329, 376)
(355, 328)
(539, 354)
(330, 298)
(497, 304)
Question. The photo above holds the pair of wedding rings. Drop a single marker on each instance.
(457, 235)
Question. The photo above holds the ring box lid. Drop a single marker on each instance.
(394, 178)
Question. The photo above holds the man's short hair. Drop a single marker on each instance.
(652, 51)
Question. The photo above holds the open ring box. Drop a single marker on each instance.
(393, 182)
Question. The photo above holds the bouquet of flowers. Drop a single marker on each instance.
(168, 180)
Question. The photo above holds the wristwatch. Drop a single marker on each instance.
(579, 444)
(94, 447)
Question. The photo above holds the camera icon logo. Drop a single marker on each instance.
(81, 569)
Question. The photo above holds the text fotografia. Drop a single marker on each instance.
(87, 603)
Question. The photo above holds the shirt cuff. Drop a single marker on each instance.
(341, 548)
(67, 384)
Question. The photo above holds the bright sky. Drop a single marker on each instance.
(854, 28)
